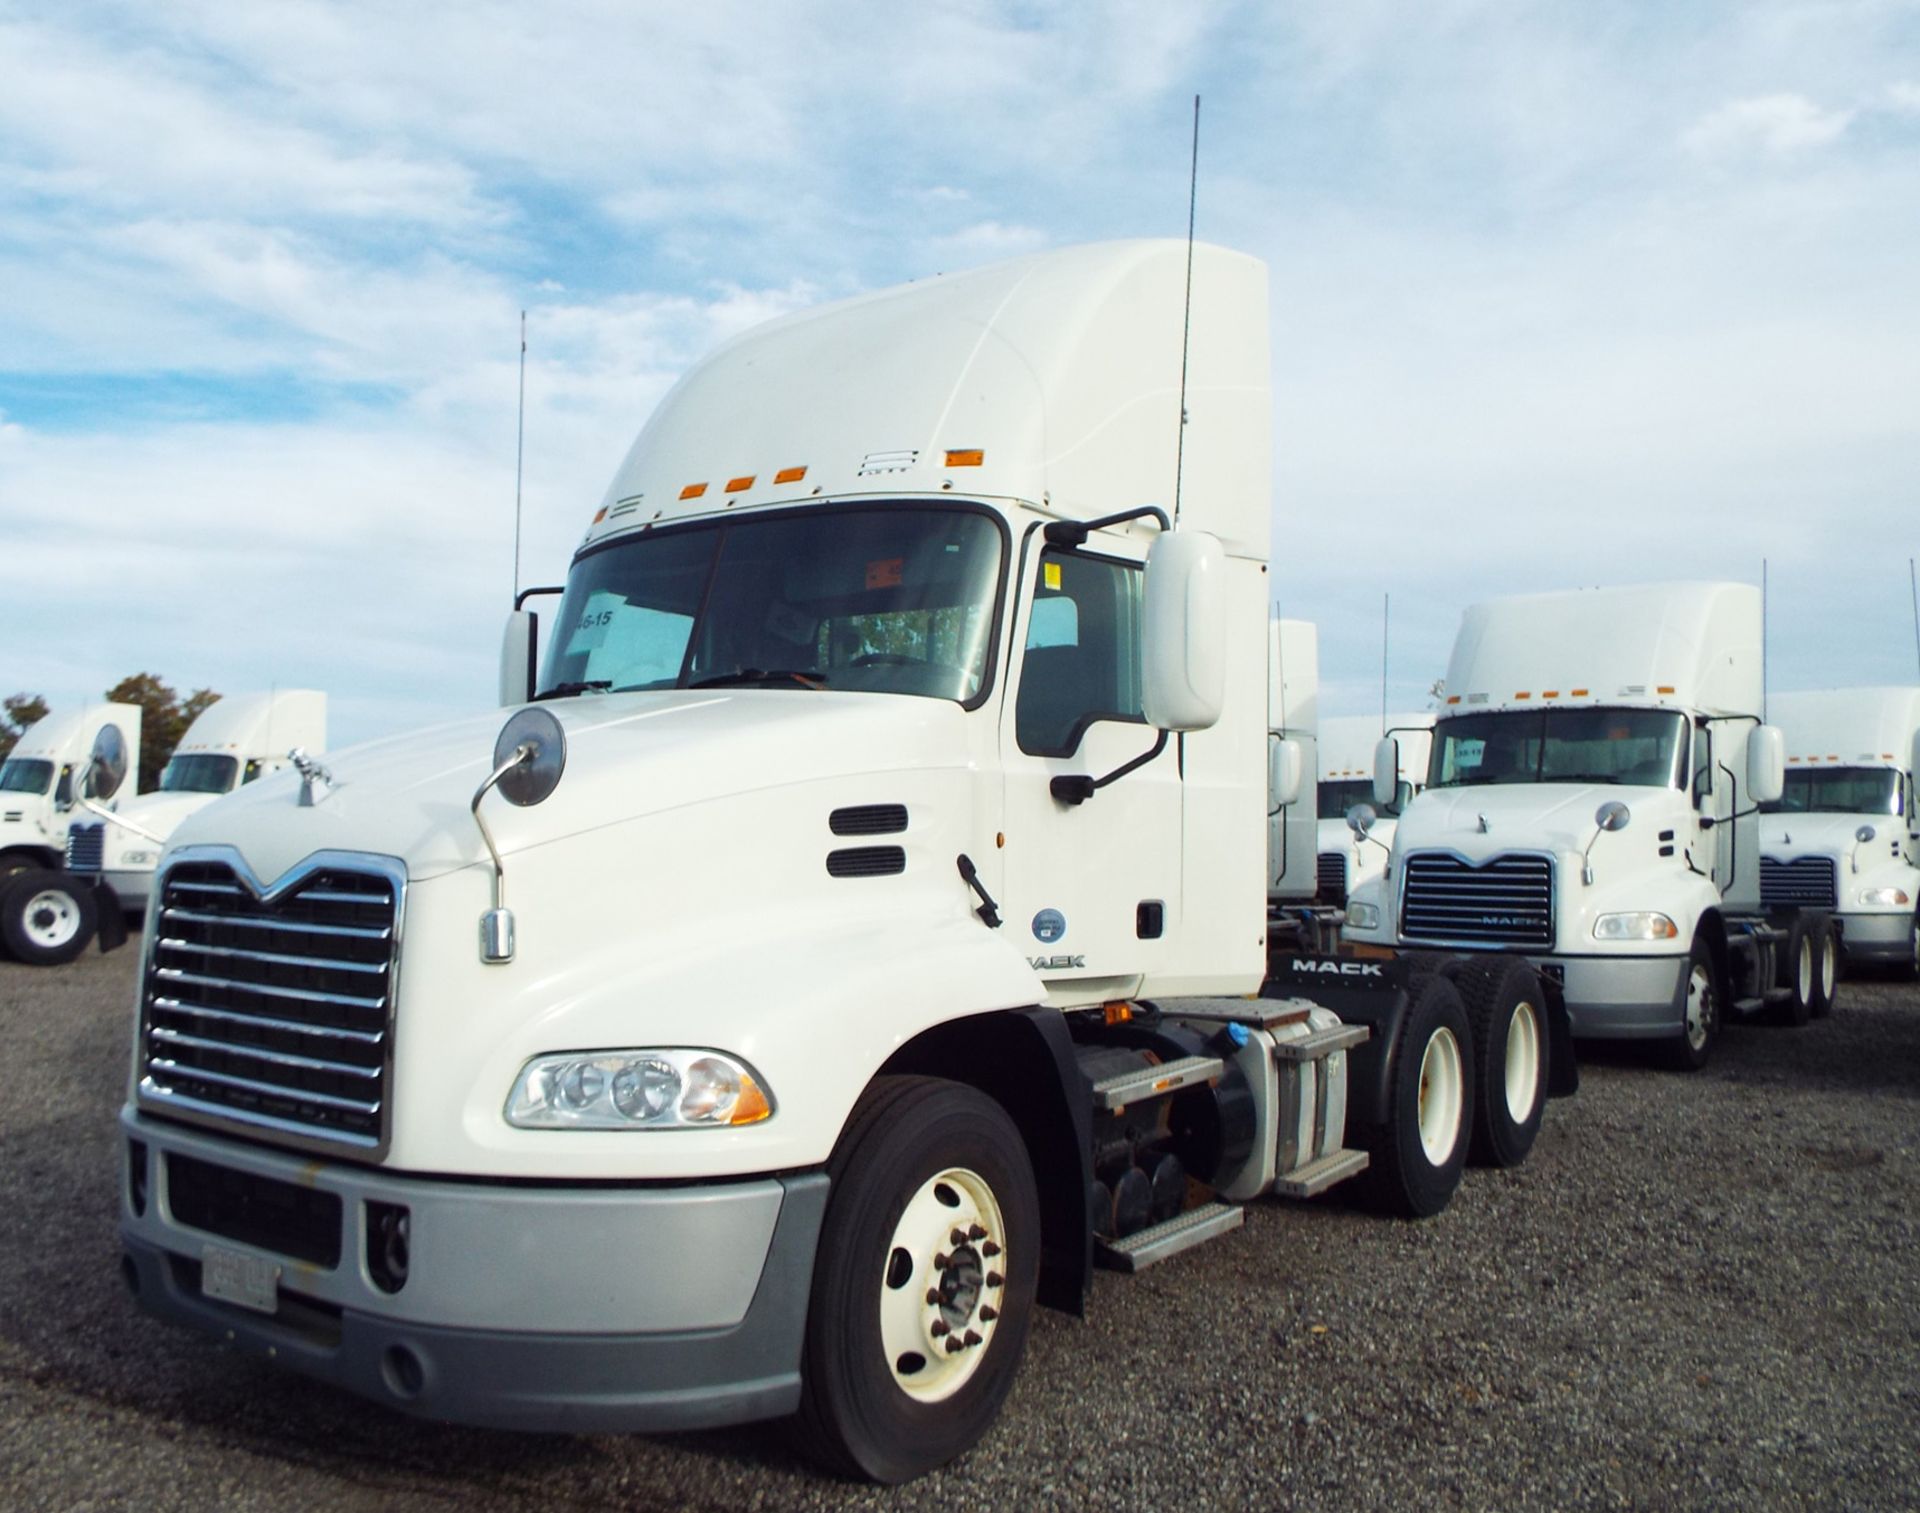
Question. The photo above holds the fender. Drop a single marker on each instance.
(1373, 993)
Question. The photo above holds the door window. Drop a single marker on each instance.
(1082, 657)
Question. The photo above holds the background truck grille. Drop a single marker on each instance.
(1507, 901)
(274, 1017)
(1806, 882)
(1331, 879)
(86, 846)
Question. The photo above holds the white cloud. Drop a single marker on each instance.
(1779, 124)
(1904, 97)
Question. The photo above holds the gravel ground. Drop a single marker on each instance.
(1699, 1292)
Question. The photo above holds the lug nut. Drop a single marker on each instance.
(989, 1250)
(994, 1279)
(972, 1337)
(941, 1260)
(954, 1347)
(939, 1328)
(933, 1297)
(958, 1237)
(988, 1313)
(975, 1232)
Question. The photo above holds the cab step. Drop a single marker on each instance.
(1148, 1247)
(1312, 1047)
(1316, 1177)
(1112, 1093)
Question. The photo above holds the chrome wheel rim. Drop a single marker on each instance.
(1829, 968)
(1803, 970)
(1699, 1006)
(1442, 1096)
(941, 1283)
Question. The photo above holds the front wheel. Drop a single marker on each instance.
(924, 1282)
(1698, 1000)
(1415, 1158)
(47, 918)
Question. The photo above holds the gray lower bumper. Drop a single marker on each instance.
(515, 1370)
(1877, 937)
(1621, 997)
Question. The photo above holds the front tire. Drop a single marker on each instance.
(1510, 1058)
(47, 918)
(1415, 1158)
(1697, 1000)
(924, 1281)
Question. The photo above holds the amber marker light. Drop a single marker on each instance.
(965, 457)
(600, 514)
(693, 491)
(751, 1106)
(1664, 688)
(789, 475)
(735, 485)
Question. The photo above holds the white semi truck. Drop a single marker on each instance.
(41, 785)
(849, 936)
(1592, 806)
(1293, 719)
(1843, 836)
(234, 741)
(1353, 847)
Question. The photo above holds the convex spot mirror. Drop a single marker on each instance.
(1766, 764)
(1286, 769)
(107, 766)
(1184, 632)
(532, 779)
(1864, 834)
(1386, 771)
(1612, 815)
(1360, 819)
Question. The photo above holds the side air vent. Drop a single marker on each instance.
(867, 861)
(869, 819)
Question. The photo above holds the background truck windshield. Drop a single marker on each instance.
(1838, 790)
(1640, 747)
(23, 775)
(893, 599)
(198, 774)
(1337, 798)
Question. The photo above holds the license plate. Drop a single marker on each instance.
(233, 1276)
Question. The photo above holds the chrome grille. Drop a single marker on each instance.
(274, 1015)
(1331, 879)
(86, 846)
(1805, 882)
(1507, 901)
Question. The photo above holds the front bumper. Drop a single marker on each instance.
(1877, 937)
(584, 1308)
(1621, 997)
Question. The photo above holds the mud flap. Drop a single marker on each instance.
(1563, 1066)
(111, 931)
(1373, 993)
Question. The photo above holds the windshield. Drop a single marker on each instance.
(22, 775)
(1639, 747)
(1838, 790)
(198, 774)
(893, 599)
(1337, 798)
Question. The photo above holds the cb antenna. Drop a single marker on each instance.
(1913, 584)
(1386, 624)
(1186, 314)
(519, 455)
(1763, 640)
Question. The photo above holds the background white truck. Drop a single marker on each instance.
(235, 740)
(761, 1020)
(1843, 836)
(41, 784)
(1592, 806)
(1293, 717)
(1346, 858)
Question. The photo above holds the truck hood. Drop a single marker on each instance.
(628, 755)
(1788, 835)
(1524, 816)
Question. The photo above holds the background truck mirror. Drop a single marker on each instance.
(517, 647)
(1184, 631)
(1286, 764)
(1766, 764)
(1913, 766)
(1386, 772)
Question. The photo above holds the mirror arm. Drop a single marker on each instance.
(125, 824)
(520, 599)
(1072, 533)
(1078, 788)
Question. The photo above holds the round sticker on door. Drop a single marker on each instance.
(1049, 925)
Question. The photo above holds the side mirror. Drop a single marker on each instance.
(1612, 815)
(1913, 759)
(1285, 769)
(1386, 771)
(106, 765)
(517, 650)
(1184, 632)
(1766, 764)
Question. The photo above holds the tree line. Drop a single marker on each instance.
(164, 718)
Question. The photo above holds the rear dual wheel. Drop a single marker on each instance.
(1415, 1158)
(1510, 1050)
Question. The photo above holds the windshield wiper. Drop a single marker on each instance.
(1589, 777)
(568, 690)
(775, 676)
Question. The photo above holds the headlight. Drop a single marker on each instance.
(139, 858)
(1885, 898)
(645, 1089)
(1634, 927)
(1363, 916)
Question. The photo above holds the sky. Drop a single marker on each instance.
(1563, 294)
